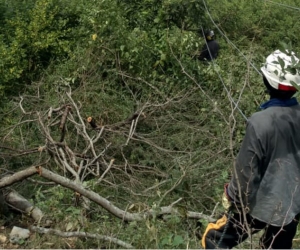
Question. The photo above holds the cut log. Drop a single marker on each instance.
(18, 202)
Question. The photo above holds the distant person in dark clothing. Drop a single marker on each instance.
(210, 49)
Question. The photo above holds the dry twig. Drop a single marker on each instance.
(80, 235)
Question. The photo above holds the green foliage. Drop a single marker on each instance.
(155, 14)
(34, 34)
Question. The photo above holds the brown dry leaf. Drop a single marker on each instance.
(3, 238)
(12, 246)
(71, 242)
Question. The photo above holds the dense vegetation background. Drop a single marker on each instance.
(168, 125)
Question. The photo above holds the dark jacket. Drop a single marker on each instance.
(268, 166)
(209, 51)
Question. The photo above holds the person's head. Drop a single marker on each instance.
(278, 80)
(209, 35)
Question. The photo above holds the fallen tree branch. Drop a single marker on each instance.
(104, 203)
(19, 176)
(81, 235)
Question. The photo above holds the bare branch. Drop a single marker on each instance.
(19, 176)
(64, 117)
(106, 204)
(107, 169)
(80, 235)
(62, 125)
(66, 164)
(179, 180)
(17, 152)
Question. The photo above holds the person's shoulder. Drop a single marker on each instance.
(258, 115)
(270, 115)
(260, 118)
(214, 43)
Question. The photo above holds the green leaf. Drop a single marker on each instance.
(163, 57)
(282, 78)
(178, 240)
(295, 85)
(165, 242)
(281, 62)
(284, 46)
(293, 60)
(291, 70)
(275, 62)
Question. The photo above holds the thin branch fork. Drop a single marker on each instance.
(62, 125)
(134, 116)
(52, 110)
(16, 152)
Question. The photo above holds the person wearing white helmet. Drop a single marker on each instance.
(264, 191)
(278, 78)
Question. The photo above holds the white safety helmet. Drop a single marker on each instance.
(274, 73)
